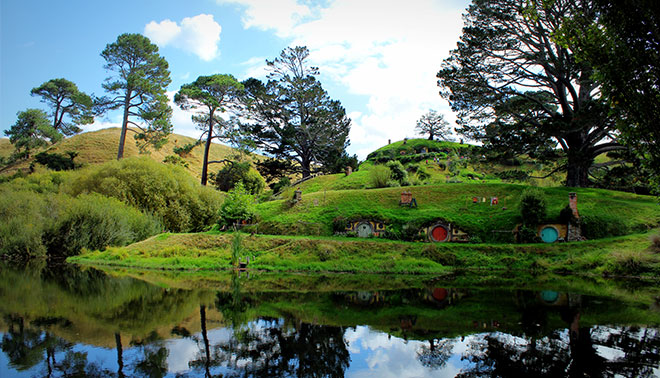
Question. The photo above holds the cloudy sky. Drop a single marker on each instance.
(379, 58)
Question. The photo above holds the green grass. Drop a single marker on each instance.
(452, 203)
(624, 256)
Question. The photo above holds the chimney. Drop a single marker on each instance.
(572, 203)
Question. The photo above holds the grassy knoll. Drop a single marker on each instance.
(618, 213)
(623, 256)
(101, 146)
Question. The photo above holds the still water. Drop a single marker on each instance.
(70, 322)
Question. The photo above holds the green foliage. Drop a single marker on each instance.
(423, 174)
(239, 206)
(24, 221)
(398, 172)
(214, 94)
(532, 207)
(163, 190)
(32, 130)
(70, 107)
(502, 85)
(236, 248)
(281, 184)
(176, 160)
(513, 175)
(527, 234)
(37, 224)
(95, 222)
(231, 174)
(380, 176)
(139, 87)
(57, 162)
(297, 119)
(597, 227)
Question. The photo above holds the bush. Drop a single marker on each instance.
(95, 222)
(281, 184)
(532, 206)
(227, 178)
(24, 219)
(166, 191)
(239, 205)
(57, 162)
(379, 176)
(423, 174)
(398, 171)
(655, 243)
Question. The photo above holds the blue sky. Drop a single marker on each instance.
(379, 58)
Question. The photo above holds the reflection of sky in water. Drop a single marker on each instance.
(372, 354)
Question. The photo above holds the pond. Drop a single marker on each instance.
(64, 321)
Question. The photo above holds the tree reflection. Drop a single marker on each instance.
(268, 348)
(436, 354)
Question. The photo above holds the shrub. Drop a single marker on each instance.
(423, 174)
(227, 178)
(57, 162)
(164, 190)
(379, 176)
(527, 234)
(532, 206)
(24, 220)
(513, 175)
(95, 222)
(238, 206)
(281, 184)
(398, 171)
(655, 243)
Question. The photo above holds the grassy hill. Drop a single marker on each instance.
(100, 146)
(604, 212)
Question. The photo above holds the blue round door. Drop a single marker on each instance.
(549, 234)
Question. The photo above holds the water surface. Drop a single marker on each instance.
(64, 321)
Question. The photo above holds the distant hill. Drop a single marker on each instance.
(96, 147)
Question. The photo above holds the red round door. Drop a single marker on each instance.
(439, 233)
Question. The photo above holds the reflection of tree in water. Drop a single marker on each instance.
(268, 348)
(561, 354)
(436, 354)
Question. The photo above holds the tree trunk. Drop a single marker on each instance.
(124, 125)
(207, 349)
(207, 148)
(305, 165)
(577, 172)
(120, 358)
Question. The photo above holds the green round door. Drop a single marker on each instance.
(549, 234)
(364, 230)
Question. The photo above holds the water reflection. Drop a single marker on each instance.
(67, 322)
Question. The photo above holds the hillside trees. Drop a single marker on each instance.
(623, 46)
(515, 88)
(138, 87)
(31, 130)
(214, 94)
(70, 107)
(434, 124)
(293, 117)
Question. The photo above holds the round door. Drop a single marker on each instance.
(439, 233)
(364, 230)
(549, 234)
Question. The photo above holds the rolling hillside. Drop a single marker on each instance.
(100, 146)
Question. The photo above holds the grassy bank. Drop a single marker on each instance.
(623, 256)
(604, 213)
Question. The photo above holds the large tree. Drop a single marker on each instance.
(215, 95)
(434, 124)
(31, 130)
(138, 87)
(293, 117)
(516, 88)
(623, 46)
(70, 107)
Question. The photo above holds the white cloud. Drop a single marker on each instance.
(387, 51)
(199, 35)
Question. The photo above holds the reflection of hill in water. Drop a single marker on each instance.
(90, 306)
